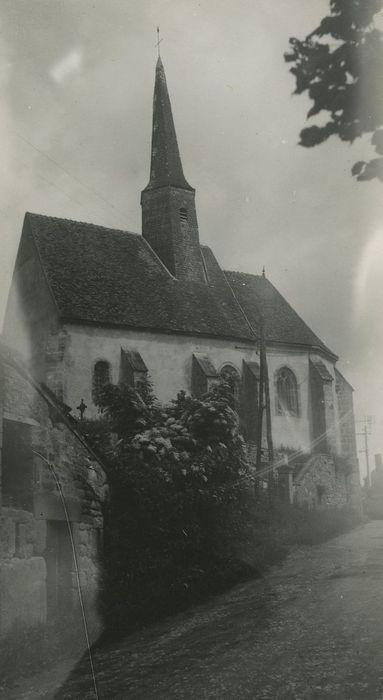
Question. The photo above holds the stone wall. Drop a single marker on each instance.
(289, 430)
(175, 241)
(319, 484)
(22, 594)
(68, 491)
(169, 357)
(55, 361)
(344, 394)
(31, 315)
(348, 446)
(324, 423)
(22, 571)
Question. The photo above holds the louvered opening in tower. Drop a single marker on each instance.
(183, 214)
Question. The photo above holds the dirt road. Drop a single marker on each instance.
(312, 628)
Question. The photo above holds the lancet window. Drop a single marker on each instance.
(287, 392)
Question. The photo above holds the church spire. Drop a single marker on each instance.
(169, 217)
(166, 166)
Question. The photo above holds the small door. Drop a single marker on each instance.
(59, 562)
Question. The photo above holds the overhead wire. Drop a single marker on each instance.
(75, 179)
(76, 567)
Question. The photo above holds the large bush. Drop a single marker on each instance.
(183, 520)
(178, 476)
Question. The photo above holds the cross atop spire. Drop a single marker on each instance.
(158, 42)
(166, 166)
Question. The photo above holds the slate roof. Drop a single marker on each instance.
(321, 369)
(111, 277)
(134, 359)
(340, 376)
(257, 297)
(205, 364)
(165, 166)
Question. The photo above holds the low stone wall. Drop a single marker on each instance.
(61, 470)
(22, 593)
(23, 570)
(318, 484)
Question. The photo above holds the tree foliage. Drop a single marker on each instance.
(339, 66)
(190, 436)
(178, 477)
(183, 520)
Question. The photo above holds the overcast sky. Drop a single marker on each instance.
(75, 117)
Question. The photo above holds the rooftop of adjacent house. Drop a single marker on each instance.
(111, 277)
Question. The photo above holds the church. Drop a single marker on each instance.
(92, 305)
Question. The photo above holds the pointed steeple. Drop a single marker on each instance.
(166, 166)
(169, 217)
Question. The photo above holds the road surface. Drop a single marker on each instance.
(311, 628)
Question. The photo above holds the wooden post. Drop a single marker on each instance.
(269, 434)
(260, 399)
(269, 437)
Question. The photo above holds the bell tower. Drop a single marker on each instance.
(169, 218)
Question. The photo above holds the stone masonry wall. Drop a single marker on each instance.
(31, 315)
(319, 484)
(346, 417)
(23, 535)
(176, 242)
(348, 447)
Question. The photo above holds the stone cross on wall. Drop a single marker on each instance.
(82, 408)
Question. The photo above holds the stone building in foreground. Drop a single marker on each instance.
(52, 491)
(94, 305)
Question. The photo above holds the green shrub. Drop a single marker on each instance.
(183, 520)
(178, 476)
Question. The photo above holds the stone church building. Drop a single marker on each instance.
(94, 305)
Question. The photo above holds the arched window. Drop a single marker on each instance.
(183, 215)
(101, 377)
(287, 392)
(231, 375)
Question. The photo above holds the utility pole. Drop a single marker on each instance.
(269, 436)
(264, 401)
(261, 397)
(367, 423)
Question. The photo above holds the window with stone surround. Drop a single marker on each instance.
(287, 399)
(101, 377)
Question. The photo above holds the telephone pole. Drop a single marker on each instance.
(261, 397)
(366, 431)
(264, 402)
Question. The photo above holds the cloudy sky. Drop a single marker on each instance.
(75, 119)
